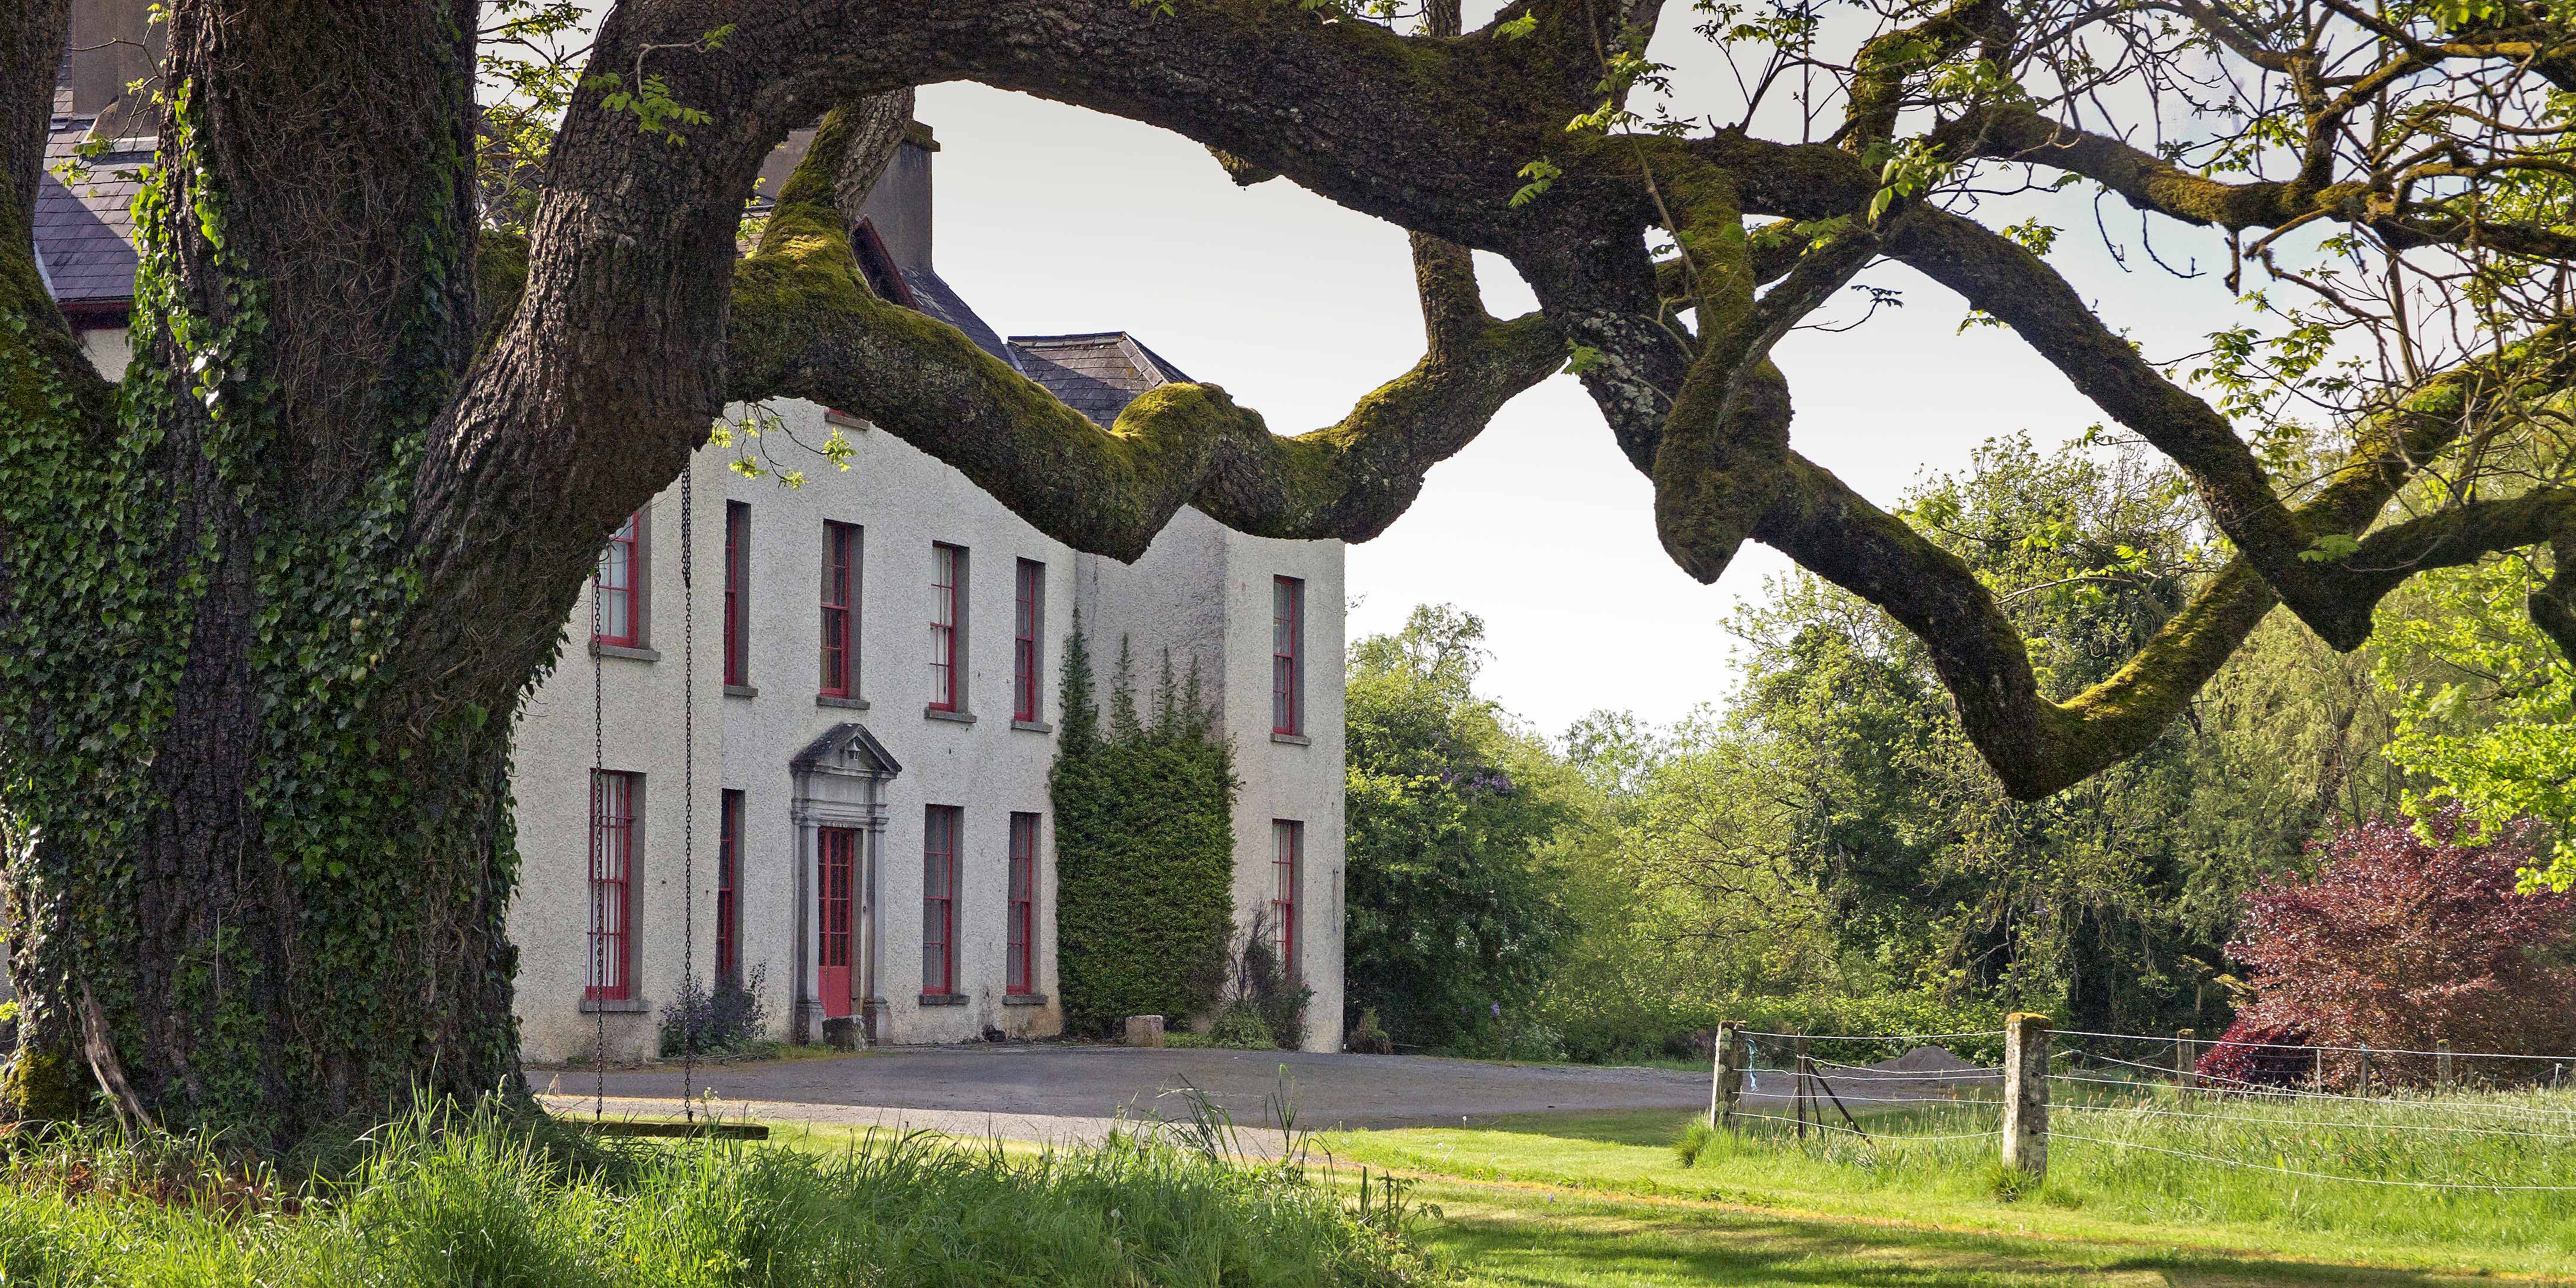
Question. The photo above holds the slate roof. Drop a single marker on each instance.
(84, 228)
(1096, 374)
(934, 296)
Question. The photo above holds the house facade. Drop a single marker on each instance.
(800, 736)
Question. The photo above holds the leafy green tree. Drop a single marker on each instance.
(1833, 834)
(2487, 708)
(1451, 910)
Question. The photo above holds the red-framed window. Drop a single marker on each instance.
(612, 886)
(1287, 655)
(619, 586)
(947, 626)
(940, 827)
(728, 883)
(840, 609)
(1021, 971)
(737, 591)
(1287, 864)
(1025, 659)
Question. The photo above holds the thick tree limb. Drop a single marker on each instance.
(1704, 414)
(31, 46)
(2038, 747)
(2009, 282)
(2151, 183)
(805, 325)
(1725, 448)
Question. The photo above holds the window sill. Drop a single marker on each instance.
(598, 649)
(1033, 726)
(943, 999)
(831, 700)
(1024, 999)
(943, 713)
(742, 691)
(614, 1005)
(1292, 739)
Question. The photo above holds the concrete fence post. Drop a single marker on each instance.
(2186, 1057)
(2442, 1063)
(1727, 1083)
(2025, 1144)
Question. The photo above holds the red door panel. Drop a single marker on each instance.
(832, 890)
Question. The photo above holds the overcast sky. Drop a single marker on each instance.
(1053, 219)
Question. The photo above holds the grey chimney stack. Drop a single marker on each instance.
(899, 207)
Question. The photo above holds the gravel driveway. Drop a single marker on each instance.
(1102, 1081)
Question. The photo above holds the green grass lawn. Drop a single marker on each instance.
(1596, 1200)
(1602, 1199)
(1520, 1239)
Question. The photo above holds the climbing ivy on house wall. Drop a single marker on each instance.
(1144, 843)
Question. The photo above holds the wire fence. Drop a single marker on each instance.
(2428, 1119)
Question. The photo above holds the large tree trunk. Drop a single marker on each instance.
(261, 878)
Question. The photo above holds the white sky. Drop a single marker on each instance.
(1051, 218)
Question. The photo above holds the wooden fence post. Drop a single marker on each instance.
(1727, 1085)
(2365, 1069)
(2185, 1058)
(1798, 1048)
(2025, 1142)
(2442, 1063)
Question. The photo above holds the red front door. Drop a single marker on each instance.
(832, 888)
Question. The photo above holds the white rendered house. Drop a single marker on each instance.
(803, 734)
(870, 681)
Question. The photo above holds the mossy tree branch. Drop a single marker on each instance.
(2009, 282)
(804, 324)
(2037, 746)
(2013, 132)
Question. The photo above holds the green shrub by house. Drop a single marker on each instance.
(1144, 842)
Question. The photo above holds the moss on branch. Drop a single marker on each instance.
(805, 324)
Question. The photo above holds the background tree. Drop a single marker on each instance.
(1450, 908)
(1830, 848)
(267, 607)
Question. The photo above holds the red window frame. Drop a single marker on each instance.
(947, 624)
(940, 827)
(1024, 646)
(1021, 966)
(1287, 864)
(840, 615)
(737, 593)
(728, 882)
(612, 886)
(1287, 655)
(617, 587)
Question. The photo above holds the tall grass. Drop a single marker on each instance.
(2158, 1155)
(479, 1201)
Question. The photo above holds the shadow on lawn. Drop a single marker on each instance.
(1652, 1128)
(1593, 1244)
